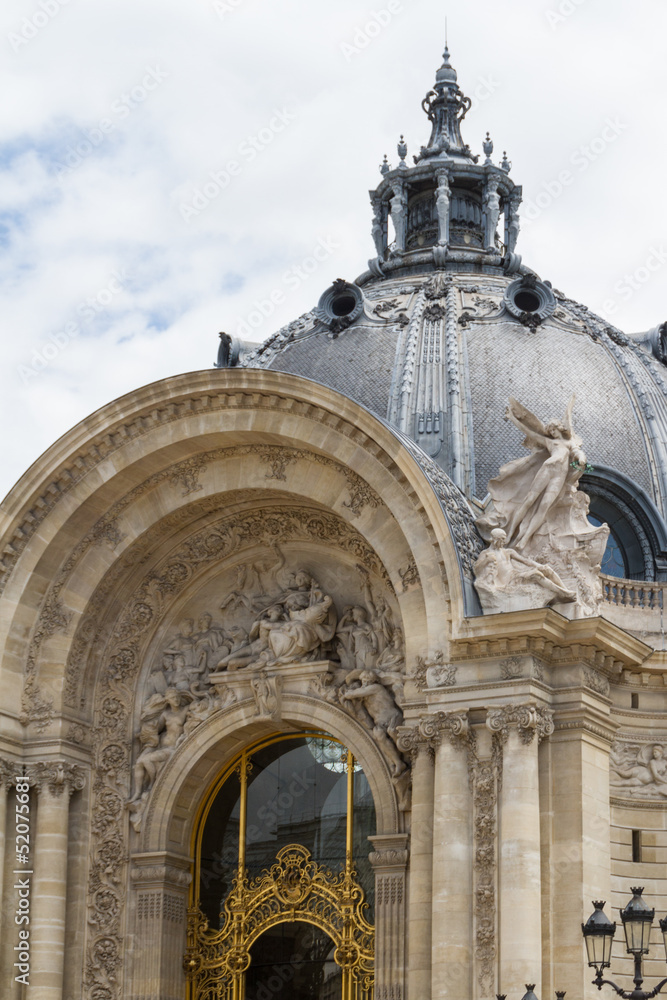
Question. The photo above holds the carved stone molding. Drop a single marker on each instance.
(434, 671)
(596, 681)
(153, 869)
(56, 776)
(184, 473)
(529, 720)
(485, 866)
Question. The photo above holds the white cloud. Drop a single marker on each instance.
(218, 77)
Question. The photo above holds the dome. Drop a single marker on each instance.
(447, 323)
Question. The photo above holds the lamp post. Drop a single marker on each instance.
(599, 933)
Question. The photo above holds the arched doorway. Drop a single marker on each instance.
(293, 961)
(282, 876)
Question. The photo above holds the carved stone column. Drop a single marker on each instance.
(580, 864)
(420, 743)
(389, 860)
(159, 903)
(452, 861)
(379, 227)
(55, 781)
(520, 728)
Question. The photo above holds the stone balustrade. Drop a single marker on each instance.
(634, 593)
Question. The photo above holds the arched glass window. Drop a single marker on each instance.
(282, 876)
(613, 560)
(638, 535)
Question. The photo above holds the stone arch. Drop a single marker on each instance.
(161, 857)
(184, 782)
(98, 512)
(88, 480)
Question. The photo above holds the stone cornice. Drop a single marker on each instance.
(553, 637)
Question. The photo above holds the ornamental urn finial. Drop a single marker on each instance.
(402, 152)
(384, 166)
(487, 146)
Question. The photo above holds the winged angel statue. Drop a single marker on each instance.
(543, 549)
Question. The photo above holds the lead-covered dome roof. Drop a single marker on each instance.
(447, 323)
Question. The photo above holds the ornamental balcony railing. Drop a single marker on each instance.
(648, 595)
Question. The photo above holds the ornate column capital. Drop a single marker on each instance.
(390, 852)
(56, 775)
(8, 771)
(528, 720)
(428, 734)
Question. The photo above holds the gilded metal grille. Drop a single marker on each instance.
(296, 888)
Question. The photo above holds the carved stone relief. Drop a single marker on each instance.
(270, 618)
(638, 770)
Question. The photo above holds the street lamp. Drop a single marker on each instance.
(599, 932)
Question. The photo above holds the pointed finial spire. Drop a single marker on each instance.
(487, 146)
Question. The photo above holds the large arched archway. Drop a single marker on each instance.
(148, 515)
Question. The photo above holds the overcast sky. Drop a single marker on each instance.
(167, 164)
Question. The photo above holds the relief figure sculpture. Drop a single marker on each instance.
(641, 773)
(296, 623)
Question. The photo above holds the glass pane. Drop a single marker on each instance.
(219, 850)
(293, 961)
(295, 798)
(613, 563)
(297, 794)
